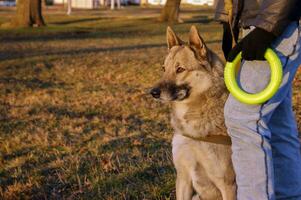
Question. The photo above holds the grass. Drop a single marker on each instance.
(76, 120)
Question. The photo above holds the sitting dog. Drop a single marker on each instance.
(193, 83)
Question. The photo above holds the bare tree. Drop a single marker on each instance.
(104, 3)
(69, 2)
(113, 4)
(143, 2)
(170, 11)
(29, 13)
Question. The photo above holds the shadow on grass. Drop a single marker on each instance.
(78, 21)
(132, 123)
(132, 175)
(140, 162)
(13, 55)
(199, 19)
(79, 34)
(152, 168)
(75, 34)
(204, 10)
(57, 31)
(61, 112)
(33, 83)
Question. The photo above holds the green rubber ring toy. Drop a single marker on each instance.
(264, 95)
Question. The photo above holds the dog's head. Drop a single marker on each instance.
(188, 68)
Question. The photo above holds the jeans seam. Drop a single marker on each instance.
(265, 154)
(262, 137)
(266, 168)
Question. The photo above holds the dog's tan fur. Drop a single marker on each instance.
(197, 94)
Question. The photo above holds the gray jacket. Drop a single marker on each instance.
(270, 15)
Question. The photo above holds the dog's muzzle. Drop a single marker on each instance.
(182, 93)
(170, 92)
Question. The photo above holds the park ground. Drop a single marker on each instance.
(76, 121)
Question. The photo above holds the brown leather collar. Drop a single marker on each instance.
(216, 139)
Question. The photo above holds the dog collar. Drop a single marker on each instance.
(216, 139)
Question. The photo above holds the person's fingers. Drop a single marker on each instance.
(234, 52)
(248, 53)
(260, 54)
(246, 49)
(255, 44)
(251, 52)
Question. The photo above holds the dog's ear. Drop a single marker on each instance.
(196, 41)
(172, 38)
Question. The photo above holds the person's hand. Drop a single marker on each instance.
(253, 46)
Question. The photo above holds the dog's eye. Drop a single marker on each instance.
(163, 68)
(180, 70)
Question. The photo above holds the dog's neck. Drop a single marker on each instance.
(202, 115)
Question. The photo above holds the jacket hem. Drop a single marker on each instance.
(221, 17)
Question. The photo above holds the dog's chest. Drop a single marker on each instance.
(189, 123)
(180, 111)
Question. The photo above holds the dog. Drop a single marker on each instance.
(193, 83)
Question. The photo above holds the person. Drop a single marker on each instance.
(265, 144)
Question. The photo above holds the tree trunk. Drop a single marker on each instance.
(143, 2)
(29, 13)
(69, 2)
(118, 4)
(170, 12)
(112, 4)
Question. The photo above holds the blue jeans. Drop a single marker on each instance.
(265, 144)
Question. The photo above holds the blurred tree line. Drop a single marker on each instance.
(29, 12)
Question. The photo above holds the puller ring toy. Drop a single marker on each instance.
(264, 95)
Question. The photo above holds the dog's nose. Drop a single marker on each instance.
(155, 92)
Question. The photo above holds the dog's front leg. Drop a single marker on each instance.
(229, 192)
(184, 190)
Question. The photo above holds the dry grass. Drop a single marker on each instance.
(76, 121)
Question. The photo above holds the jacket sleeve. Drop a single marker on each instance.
(275, 15)
(221, 14)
